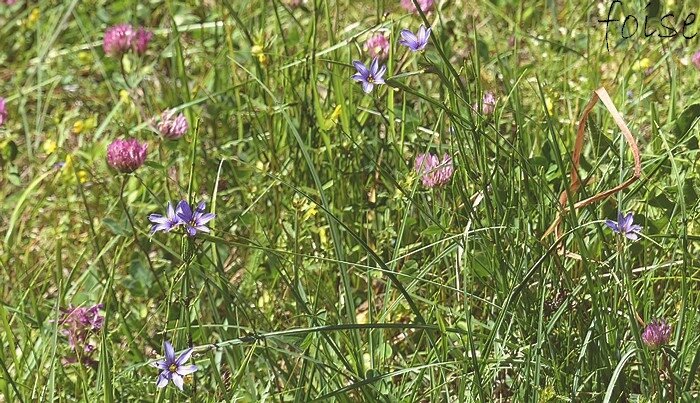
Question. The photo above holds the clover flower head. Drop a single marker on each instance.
(696, 59)
(625, 226)
(194, 220)
(141, 39)
(488, 103)
(173, 368)
(172, 126)
(656, 334)
(416, 42)
(126, 155)
(377, 46)
(3, 111)
(369, 77)
(425, 5)
(433, 171)
(118, 39)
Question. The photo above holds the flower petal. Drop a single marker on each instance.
(612, 225)
(169, 352)
(361, 68)
(177, 380)
(367, 87)
(184, 357)
(186, 369)
(163, 379)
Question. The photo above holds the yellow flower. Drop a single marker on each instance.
(49, 146)
(85, 57)
(33, 17)
(83, 176)
(259, 52)
(124, 97)
(641, 65)
(78, 127)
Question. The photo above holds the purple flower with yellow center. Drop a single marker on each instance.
(194, 220)
(117, 39)
(3, 111)
(416, 42)
(167, 222)
(174, 368)
(369, 77)
(126, 155)
(141, 39)
(172, 126)
(656, 334)
(625, 226)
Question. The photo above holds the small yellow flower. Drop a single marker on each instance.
(259, 52)
(83, 176)
(49, 146)
(641, 65)
(33, 17)
(124, 97)
(85, 57)
(78, 126)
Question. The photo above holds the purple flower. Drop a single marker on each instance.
(10, 2)
(433, 172)
(173, 369)
(425, 5)
(79, 323)
(656, 334)
(194, 220)
(172, 126)
(3, 111)
(117, 39)
(488, 103)
(126, 155)
(141, 40)
(169, 221)
(415, 42)
(377, 46)
(369, 77)
(696, 59)
(625, 226)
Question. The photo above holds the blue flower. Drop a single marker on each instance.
(168, 222)
(194, 220)
(369, 77)
(415, 42)
(173, 369)
(625, 226)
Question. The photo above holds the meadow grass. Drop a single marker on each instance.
(331, 272)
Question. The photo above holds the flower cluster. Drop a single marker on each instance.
(78, 324)
(377, 47)
(625, 226)
(172, 126)
(656, 334)
(122, 38)
(425, 5)
(173, 368)
(3, 111)
(433, 171)
(182, 215)
(126, 155)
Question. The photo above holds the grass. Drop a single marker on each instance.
(331, 273)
